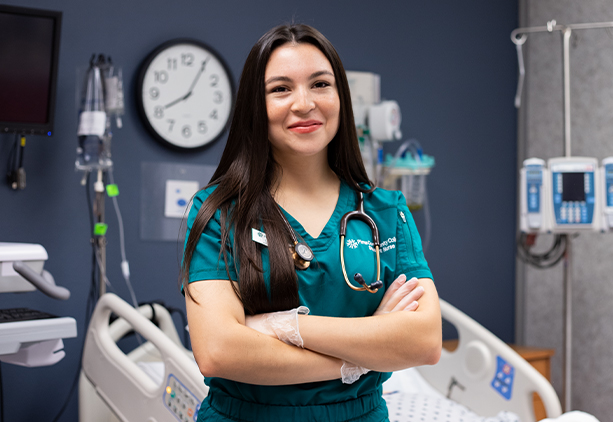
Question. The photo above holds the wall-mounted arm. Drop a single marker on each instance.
(43, 282)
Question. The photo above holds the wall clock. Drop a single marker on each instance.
(185, 94)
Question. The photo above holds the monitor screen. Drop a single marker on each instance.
(573, 187)
(29, 50)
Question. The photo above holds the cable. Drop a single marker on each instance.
(543, 260)
(11, 165)
(92, 297)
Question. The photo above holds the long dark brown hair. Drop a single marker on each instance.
(247, 171)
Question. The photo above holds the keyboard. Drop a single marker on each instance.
(22, 314)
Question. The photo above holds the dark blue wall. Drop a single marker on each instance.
(449, 64)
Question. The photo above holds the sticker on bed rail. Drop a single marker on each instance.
(503, 380)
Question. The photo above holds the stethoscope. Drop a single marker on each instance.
(303, 255)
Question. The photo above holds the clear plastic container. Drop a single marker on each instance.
(412, 184)
(408, 175)
(93, 148)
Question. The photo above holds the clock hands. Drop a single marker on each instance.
(191, 88)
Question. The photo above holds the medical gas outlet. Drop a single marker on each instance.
(568, 195)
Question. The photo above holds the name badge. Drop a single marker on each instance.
(259, 237)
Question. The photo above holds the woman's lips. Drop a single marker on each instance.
(307, 126)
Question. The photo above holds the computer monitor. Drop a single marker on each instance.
(29, 52)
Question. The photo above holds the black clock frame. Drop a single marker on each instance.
(139, 89)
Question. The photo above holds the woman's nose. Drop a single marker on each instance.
(303, 101)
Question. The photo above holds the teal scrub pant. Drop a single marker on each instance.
(219, 407)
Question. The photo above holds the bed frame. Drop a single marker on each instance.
(120, 390)
(114, 387)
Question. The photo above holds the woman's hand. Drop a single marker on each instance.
(258, 323)
(282, 325)
(402, 295)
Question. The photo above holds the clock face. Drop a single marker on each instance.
(185, 94)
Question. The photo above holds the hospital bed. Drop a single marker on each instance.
(159, 380)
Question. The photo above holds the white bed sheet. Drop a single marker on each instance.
(410, 398)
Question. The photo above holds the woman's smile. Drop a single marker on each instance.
(306, 126)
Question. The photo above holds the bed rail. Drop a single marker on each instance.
(486, 375)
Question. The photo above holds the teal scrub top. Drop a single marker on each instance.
(321, 287)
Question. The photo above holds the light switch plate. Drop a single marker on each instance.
(178, 195)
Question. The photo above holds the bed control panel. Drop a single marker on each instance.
(180, 401)
(503, 380)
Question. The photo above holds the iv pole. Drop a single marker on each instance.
(518, 36)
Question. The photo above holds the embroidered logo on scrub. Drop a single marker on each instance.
(383, 247)
(503, 380)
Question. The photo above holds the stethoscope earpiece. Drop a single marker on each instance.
(372, 287)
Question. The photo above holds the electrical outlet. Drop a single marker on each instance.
(178, 195)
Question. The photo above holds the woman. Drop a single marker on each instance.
(290, 170)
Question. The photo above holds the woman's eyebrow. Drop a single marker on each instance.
(320, 73)
(277, 79)
(286, 79)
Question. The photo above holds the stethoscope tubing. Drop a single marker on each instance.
(359, 214)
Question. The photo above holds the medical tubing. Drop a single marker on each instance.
(350, 373)
(125, 268)
(427, 222)
(285, 325)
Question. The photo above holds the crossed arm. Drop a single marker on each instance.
(405, 331)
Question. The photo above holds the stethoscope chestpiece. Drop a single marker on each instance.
(303, 255)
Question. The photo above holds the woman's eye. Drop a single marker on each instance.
(279, 89)
(321, 84)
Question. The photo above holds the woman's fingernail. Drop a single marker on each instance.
(412, 306)
(402, 279)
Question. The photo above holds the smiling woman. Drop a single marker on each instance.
(276, 339)
(301, 100)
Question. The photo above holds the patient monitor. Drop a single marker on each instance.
(565, 196)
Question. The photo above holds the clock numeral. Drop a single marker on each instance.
(158, 112)
(187, 59)
(171, 122)
(213, 114)
(161, 76)
(154, 93)
(202, 127)
(217, 97)
(186, 131)
(214, 80)
(172, 64)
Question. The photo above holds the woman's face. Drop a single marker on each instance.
(301, 100)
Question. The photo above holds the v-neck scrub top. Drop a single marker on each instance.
(323, 290)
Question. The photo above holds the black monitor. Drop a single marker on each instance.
(29, 52)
